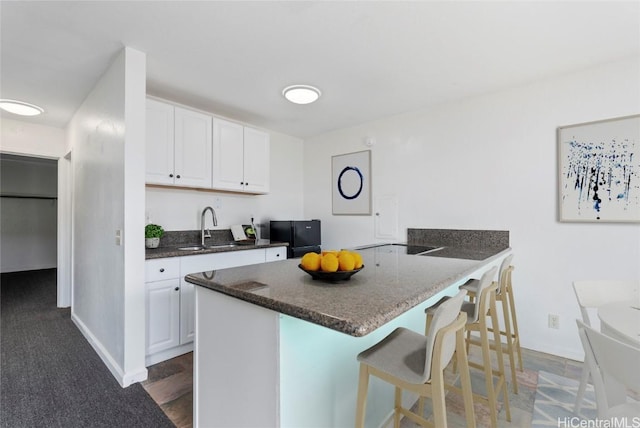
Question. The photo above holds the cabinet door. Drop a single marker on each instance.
(163, 312)
(187, 312)
(256, 161)
(227, 155)
(192, 148)
(159, 143)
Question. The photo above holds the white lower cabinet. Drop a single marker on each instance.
(163, 312)
(171, 299)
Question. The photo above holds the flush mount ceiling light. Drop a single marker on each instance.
(20, 107)
(301, 94)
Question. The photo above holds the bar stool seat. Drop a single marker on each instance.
(415, 362)
(401, 353)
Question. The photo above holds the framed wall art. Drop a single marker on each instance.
(351, 183)
(599, 171)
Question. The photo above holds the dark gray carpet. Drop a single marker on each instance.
(49, 374)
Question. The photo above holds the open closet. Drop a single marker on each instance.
(28, 213)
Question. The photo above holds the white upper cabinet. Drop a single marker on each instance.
(228, 149)
(192, 148)
(187, 148)
(256, 161)
(159, 143)
(240, 158)
(178, 146)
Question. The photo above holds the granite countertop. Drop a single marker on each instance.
(218, 247)
(390, 284)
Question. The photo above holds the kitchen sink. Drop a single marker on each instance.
(192, 248)
(222, 246)
(206, 247)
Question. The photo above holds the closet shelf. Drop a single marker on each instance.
(8, 195)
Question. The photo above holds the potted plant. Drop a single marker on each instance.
(152, 235)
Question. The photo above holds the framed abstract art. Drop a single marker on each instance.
(351, 183)
(599, 171)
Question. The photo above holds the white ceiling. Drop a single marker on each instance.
(370, 59)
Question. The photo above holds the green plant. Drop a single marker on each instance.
(153, 231)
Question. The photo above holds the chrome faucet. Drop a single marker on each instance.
(215, 223)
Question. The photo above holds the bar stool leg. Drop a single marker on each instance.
(488, 372)
(397, 407)
(438, 399)
(502, 383)
(510, 340)
(514, 320)
(465, 379)
(363, 386)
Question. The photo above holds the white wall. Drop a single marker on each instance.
(26, 138)
(107, 144)
(181, 209)
(490, 163)
(28, 225)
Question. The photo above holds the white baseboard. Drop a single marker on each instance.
(568, 353)
(124, 379)
(134, 377)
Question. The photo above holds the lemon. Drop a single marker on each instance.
(311, 261)
(357, 259)
(329, 262)
(346, 260)
(325, 252)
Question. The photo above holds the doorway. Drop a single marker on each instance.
(28, 213)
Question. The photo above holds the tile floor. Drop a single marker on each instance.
(170, 385)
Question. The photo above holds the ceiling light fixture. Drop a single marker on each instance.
(301, 94)
(20, 107)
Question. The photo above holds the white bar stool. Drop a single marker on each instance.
(477, 314)
(416, 363)
(504, 295)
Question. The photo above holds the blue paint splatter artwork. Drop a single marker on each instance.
(600, 171)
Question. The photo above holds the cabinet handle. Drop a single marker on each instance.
(161, 269)
(171, 175)
(178, 176)
(242, 183)
(278, 255)
(177, 288)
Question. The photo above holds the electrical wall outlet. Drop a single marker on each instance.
(554, 321)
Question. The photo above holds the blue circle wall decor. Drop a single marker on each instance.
(345, 170)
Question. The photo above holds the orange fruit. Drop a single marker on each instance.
(329, 263)
(346, 261)
(358, 260)
(311, 261)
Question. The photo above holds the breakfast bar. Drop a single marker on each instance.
(275, 347)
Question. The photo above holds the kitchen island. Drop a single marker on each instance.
(275, 347)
